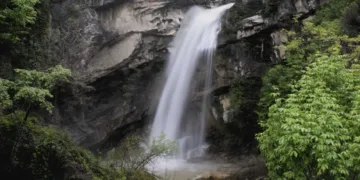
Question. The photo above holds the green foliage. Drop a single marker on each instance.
(30, 151)
(312, 134)
(309, 102)
(131, 159)
(23, 46)
(350, 21)
(331, 10)
(5, 99)
(32, 50)
(44, 80)
(300, 51)
(15, 18)
(32, 87)
(322, 34)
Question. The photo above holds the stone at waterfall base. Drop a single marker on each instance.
(255, 170)
(247, 167)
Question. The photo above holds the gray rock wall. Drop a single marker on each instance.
(117, 49)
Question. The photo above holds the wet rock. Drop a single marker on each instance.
(225, 102)
(249, 168)
(278, 39)
(251, 26)
(259, 44)
(286, 10)
(213, 176)
(118, 48)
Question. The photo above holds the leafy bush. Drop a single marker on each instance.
(30, 151)
(330, 11)
(300, 51)
(31, 88)
(309, 103)
(24, 36)
(15, 18)
(314, 133)
(131, 159)
(322, 34)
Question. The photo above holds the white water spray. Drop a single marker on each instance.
(197, 38)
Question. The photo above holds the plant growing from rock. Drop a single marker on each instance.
(132, 159)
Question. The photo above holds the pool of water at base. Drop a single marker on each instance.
(175, 169)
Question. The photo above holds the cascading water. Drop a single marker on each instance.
(196, 39)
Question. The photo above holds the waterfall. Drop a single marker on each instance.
(195, 40)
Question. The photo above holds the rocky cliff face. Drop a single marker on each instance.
(117, 49)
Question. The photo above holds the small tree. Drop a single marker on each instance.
(15, 17)
(314, 133)
(31, 88)
(132, 159)
(310, 102)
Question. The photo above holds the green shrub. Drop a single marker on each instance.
(131, 159)
(331, 10)
(309, 103)
(314, 133)
(15, 18)
(30, 151)
(31, 88)
(24, 35)
(300, 51)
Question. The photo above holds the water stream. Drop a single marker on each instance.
(195, 40)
